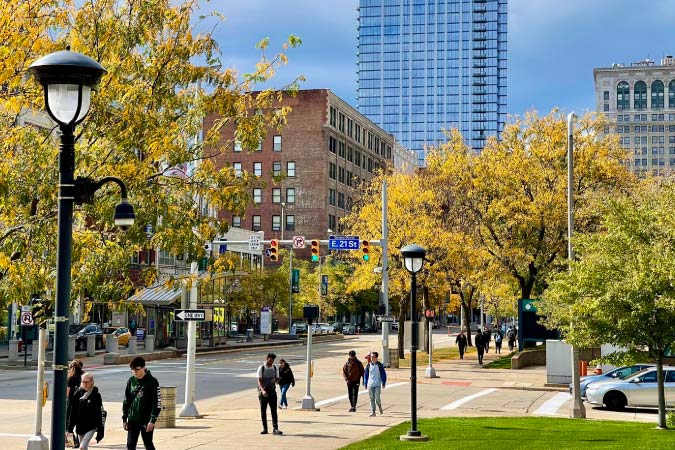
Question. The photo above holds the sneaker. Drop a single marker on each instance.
(352, 409)
(263, 432)
(277, 432)
(381, 410)
(372, 414)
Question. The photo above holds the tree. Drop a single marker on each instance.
(621, 291)
(141, 128)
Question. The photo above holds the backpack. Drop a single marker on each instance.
(498, 337)
(276, 372)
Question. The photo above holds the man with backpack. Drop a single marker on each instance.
(511, 337)
(498, 341)
(268, 377)
(352, 372)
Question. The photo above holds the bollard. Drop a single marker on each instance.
(91, 345)
(13, 350)
(149, 343)
(111, 343)
(583, 368)
(71, 347)
(167, 415)
(393, 358)
(131, 346)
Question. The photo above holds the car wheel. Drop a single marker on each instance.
(615, 401)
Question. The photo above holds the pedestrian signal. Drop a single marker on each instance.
(315, 251)
(274, 250)
(365, 248)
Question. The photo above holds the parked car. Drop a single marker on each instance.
(637, 390)
(82, 331)
(300, 327)
(122, 334)
(612, 375)
(337, 327)
(323, 328)
(348, 329)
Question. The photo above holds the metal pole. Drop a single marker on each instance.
(308, 400)
(189, 408)
(290, 289)
(283, 225)
(482, 312)
(385, 276)
(578, 410)
(39, 442)
(63, 267)
(430, 372)
(414, 339)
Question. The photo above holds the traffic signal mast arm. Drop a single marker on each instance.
(285, 242)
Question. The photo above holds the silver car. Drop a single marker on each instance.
(612, 375)
(637, 390)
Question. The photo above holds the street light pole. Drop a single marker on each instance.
(578, 410)
(385, 277)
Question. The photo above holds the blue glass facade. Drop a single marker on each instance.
(429, 65)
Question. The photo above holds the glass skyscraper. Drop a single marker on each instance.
(429, 65)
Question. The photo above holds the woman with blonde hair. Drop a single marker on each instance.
(86, 412)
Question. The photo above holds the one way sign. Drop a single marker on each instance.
(196, 315)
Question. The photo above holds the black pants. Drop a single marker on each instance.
(353, 391)
(133, 430)
(480, 355)
(498, 347)
(271, 400)
(461, 352)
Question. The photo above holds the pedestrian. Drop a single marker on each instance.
(86, 411)
(480, 347)
(374, 379)
(498, 341)
(268, 377)
(353, 372)
(511, 338)
(461, 342)
(487, 337)
(286, 380)
(132, 327)
(141, 406)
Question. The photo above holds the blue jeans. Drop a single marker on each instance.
(374, 394)
(284, 389)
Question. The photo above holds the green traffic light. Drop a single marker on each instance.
(366, 257)
(315, 258)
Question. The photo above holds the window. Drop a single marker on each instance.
(341, 175)
(332, 171)
(350, 176)
(640, 95)
(259, 147)
(290, 223)
(290, 168)
(257, 169)
(333, 113)
(256, 223)
(257, 195)
(605, 107)
(331, 198)
(341, 122)
(657, 94)
(341, 149)
(237, 145)
(350, 154)
(276, 168)
(290, 195)
(605, 96)
(341, 200)
(236, 221)
(276, 223)
(332, 144)
(237, 169)
(350, 127)
(357, 129)
(671, 94)
(623, 97)
(276, 195)
(277, 143)
(332, 222)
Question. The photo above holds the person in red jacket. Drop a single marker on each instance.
(352, 372)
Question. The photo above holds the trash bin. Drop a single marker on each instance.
(393, 358)
(249, 335)
(167, 415)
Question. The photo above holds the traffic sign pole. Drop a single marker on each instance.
(385, 277)
(189, 409)
(38, 441)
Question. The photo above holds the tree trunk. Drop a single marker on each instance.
(466, 324)
(427, 329)
(661, 391)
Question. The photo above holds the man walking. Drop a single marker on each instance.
(487, 337)
(498, 341)
(461, 342)
(141, 406)
(374, 379)
(511, 336)
(352, 372)
(268, 377)
(480, 346)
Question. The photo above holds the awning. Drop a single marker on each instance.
(157, 295)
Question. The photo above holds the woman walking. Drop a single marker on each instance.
(286, 380)
(86, 412)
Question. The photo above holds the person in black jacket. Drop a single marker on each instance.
(461, 342)
(286, 380)
(141, 406)
(84, 415)
(480, 346)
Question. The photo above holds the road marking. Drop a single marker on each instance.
(458, 383)
(16, 435)
(344, 397)
(457, 403)
(553, 404)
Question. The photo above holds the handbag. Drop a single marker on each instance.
(100, 431)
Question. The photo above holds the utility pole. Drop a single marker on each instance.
(385, 276)
(39, 442)
(290, 289)
(189, 409)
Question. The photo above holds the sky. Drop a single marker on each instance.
(553, 45)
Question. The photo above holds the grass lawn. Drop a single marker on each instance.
(503, 362)
(531, 433)
(440, 354)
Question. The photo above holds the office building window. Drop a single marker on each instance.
(236, 221)
(332, 171)
(290, 195)
(605, 96)
(276, 195)
(341, 149)
(237, 169)
(671, 95)
(640, 95)
(341, 122)
(623, 97)
(605, 107)
(276, 168)
(259, 147)
(357, 130)
(657, 94)
(331, 222)
(341, 175)
(350, 154)
(237, 145)
(332, 144)
(277, 143)
(331, 197)
(276, 223)
(350, 177)
(257, 169)
(257, 195)
(290, 223)
(256, 223)
(290, 168)
(333, 114)
(341, 200)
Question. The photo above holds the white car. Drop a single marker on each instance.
(325, 328)
(637, 390)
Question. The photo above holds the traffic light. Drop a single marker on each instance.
(365, 248)
(274, 250)
(315, 251)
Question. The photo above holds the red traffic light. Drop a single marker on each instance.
(274, 250)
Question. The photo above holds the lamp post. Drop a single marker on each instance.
(413, 257)
(67, 79)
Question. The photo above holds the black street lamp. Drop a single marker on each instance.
(413, 258)
(67, 79)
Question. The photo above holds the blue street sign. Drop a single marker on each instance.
(343, 243)
(268, 252)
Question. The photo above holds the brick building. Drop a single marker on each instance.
(322, 154)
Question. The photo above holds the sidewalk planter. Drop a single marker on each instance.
(131, 346)
(150, 343)
(111, 343)
(167, 416)
(71, 347)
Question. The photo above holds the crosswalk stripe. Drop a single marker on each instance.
(553, 404)
(457, 403)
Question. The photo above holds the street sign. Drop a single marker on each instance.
(295, 281)
(26, 308)
(298, 242)
(268, 252)
(343, 243)
(197, 315)
(26, 318)
(529, 305)
(385, 319)
(254, 242)
(324, 284)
